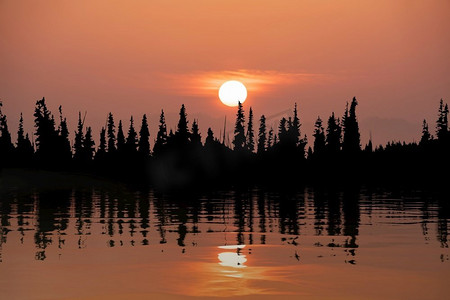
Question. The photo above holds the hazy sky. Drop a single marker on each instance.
(135, 57)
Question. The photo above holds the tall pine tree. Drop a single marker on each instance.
(250, 134)
(262, 135)
(239, 133)
(144, 137)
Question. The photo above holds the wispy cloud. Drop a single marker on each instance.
(204, 83)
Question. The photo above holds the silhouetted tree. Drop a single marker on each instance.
(333, 140)
(262, 135)
(209, 138)
(144, 137)
(270, 139)
(64, 149)
(101, 151)
(46, 135)
(319, 137)
(120, 138)
(239, 133)
(132, 139)
(111, 130)
(283, 131)
(426, 136)
(442, 121)
(79, 139)
(161, 136)
(6, 146)
(295, 127)
(250, 135)
(351, 143)
(24, 148)
(88, 145)
(195, 135)
(182, 133)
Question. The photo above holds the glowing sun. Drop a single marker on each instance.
(232, 92)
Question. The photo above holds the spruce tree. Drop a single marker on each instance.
(161, 136)
(46, 135)
(295, 128)
(182, 133)
(426, 136)
(144, 137)
(351, 143)
(262, 135)
(102, 145)
(270, 138)
(88, 145)
(283, 131)
(333, 140)
(195, 135)
(319, 137)
(250, 135)
(6, 145)
(239, 133)
(132, 139)
(111, 131)
(120, 138)
(442, 122)
(79, 139)
(209, 138)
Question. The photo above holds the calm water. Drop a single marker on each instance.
(113, 243)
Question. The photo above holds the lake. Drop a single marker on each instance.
(113, 242)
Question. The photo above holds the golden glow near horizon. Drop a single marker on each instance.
(232, 92)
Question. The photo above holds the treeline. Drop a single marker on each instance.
(258, 154)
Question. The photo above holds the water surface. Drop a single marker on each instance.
(117, 243)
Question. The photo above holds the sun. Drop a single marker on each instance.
(232, 92)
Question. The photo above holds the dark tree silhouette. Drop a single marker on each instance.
(6, 146)
(270, 138)
(24, 149)
(63, 138)
(351, 142)
(120, 138)
(79, 140)
(295, 127)
(426, 136)
(250, 135)
(101, 152)
(209, 138)
(161, 136)
(319, 138)
(333, 140)
(442, 121)
(182, 134)
(195, 135)
(262, 135)
(132, 139)
(283, 131)
(88, 146)
(111, 131)
(46, 135)
(239, 130)
(144, 138)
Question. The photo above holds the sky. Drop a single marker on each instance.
(136, 57)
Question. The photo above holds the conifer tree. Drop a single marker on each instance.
(283, 131)
(442, 122)
(111, 131)
(46, 135)
(239, 133)
(195, 135)
(161, 136)
(132, 138)
(6, 145)
(144, 137)
(295, 128)
(102, 145)
(270, 138)
(20, 133)
(88, 145)
(319, 137)
(24, 148)
(120, 138)
(426, 136)
(209, 138)
(250, 135)
(79, 139)
(262, 135)
(182, 133)
(333, 140)
(351, 143)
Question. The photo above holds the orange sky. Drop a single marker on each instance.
(135, 57)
